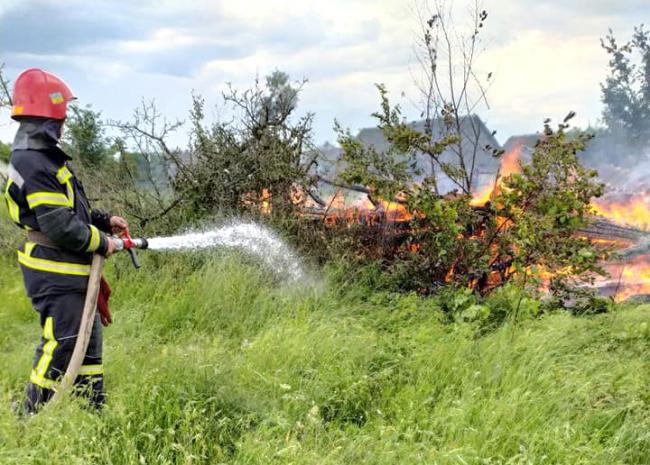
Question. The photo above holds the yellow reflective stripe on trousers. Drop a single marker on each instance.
(43, 382)
(93, 244)
(48, 198)
(12, 206)
(91, 370)
(50, 266)
(38, 374)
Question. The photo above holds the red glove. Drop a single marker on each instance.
(102, 303)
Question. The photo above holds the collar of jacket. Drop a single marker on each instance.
(41, 134)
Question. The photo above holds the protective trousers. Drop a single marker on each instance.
(60, 316)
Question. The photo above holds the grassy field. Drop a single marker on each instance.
(210, 361)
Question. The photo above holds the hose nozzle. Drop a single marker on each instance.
(139, 243)
(129, 244)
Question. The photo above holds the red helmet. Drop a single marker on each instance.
(39, 93)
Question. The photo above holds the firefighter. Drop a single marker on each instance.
(46, 200)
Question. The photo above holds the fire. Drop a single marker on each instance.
(632, 277)
(363, 210)
(617, 243)
(510, 164)
(265, 200)
(395, 211)
(628, 279)
(632, 211)
(625, 279)
(481, 198)
(337, 202)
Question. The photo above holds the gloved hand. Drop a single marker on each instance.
(119, 225)
(102, 303)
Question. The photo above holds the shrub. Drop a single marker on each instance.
(528, 231)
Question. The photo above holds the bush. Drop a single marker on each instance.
(528, 231)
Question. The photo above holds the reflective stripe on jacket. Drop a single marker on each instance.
(43, 194)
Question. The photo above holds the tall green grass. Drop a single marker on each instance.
(210, 360)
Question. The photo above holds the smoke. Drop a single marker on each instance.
(251, 238)
(622, 163)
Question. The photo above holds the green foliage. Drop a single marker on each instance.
(212, 361)
(529, 228)
(134, 184)
(626, 91)
(5, 152)
(543, 209)
(10, 234)
(391, 172)
(84, 137)
(254, 162)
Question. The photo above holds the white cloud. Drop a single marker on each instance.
(161, 39)
(539, 75)
(545, 54)
(7, 5)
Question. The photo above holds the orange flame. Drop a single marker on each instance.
(510, 164)
(265, 199)
(364, 210)
(629, 279)
(632, 211)
(481, 198)
(395, 211)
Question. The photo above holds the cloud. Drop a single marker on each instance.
(594, 7)
(41, 27)
(545, 54)
(174, 37)
(539, 76)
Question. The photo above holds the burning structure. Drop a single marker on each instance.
(620, 220)
(475, 150)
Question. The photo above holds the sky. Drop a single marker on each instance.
(544, 55)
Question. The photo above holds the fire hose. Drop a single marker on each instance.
(90, 307)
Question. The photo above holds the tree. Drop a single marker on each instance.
(143, 174)
(626, 91)
(5, 94)
(529, 230)
(5, 102)
(451, 90)
(540, 213)
(84, 136)
(256, 161)
(5, 152)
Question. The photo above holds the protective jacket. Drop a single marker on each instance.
(43, 195)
